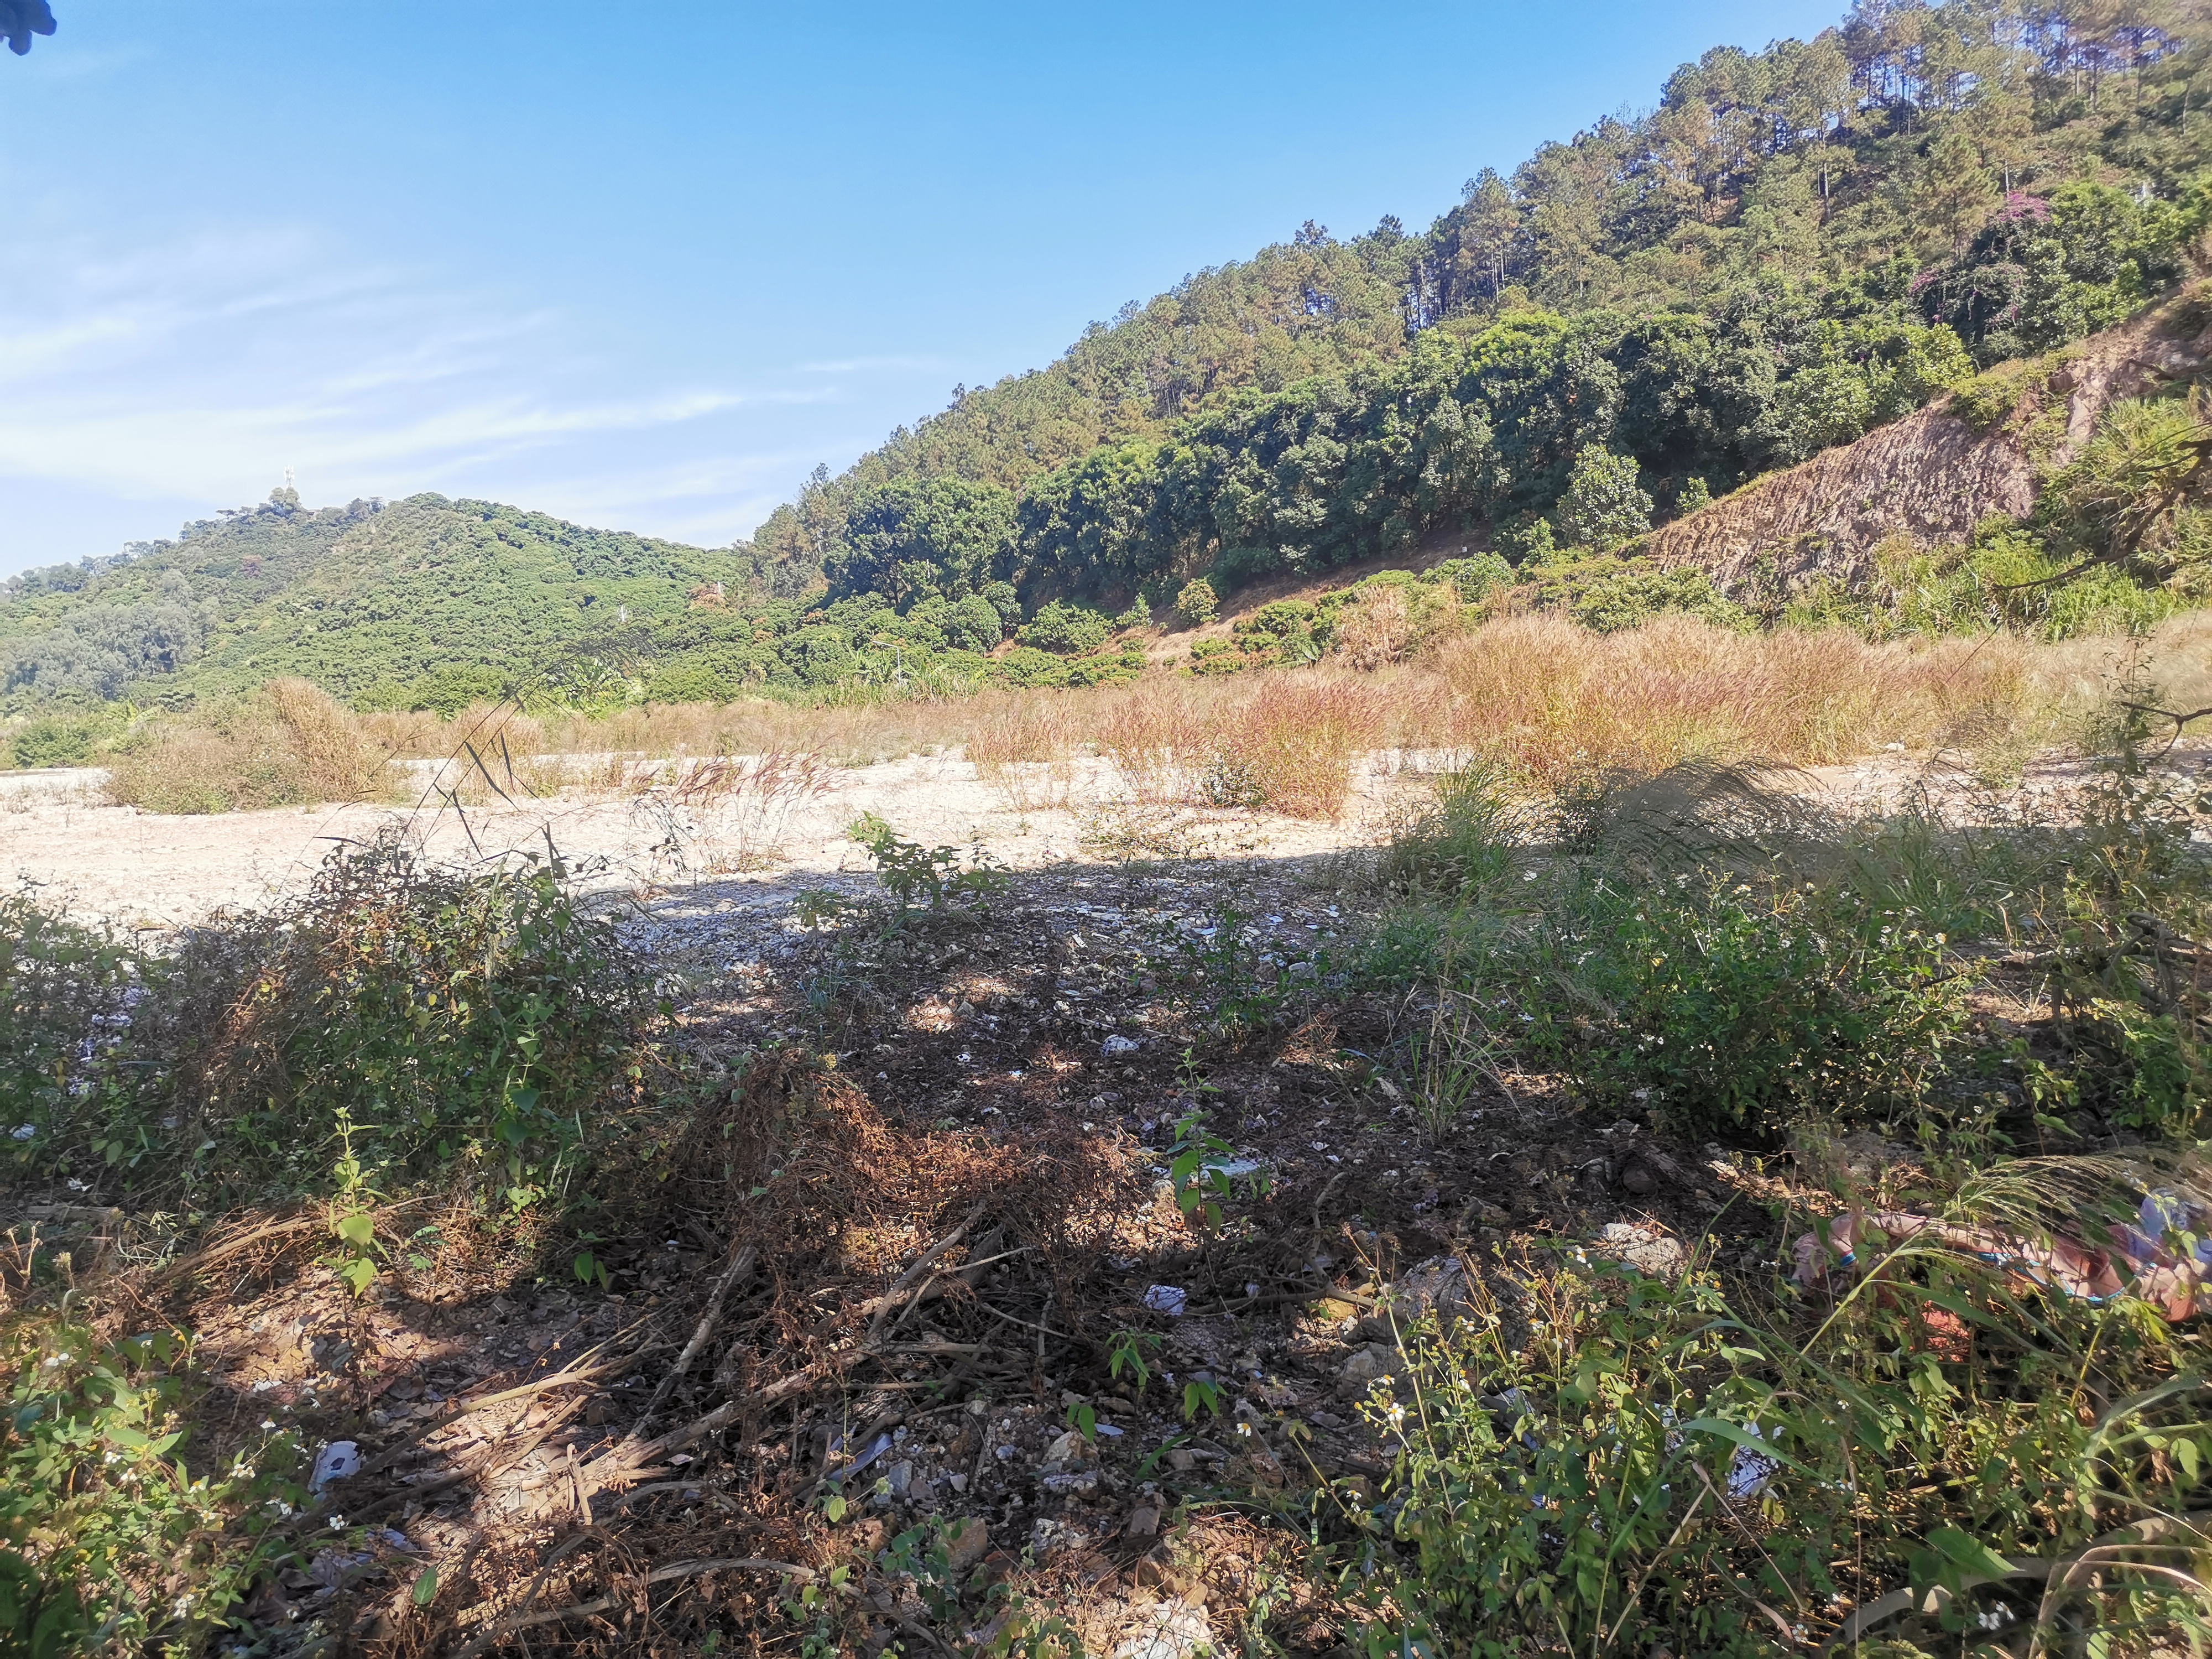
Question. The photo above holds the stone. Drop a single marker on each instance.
(1644, 1245)
(1143, 1522)
(1436, 1286)
(1646, 1170)
(967, 1542)
(1070, 1448)
(1371, 1364)
(869, 1536)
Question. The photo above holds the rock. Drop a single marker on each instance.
(869, 1536)
(1183, 1459)
(1436, 1286)
(1175, 1630)
(967, 1542)
(1371, 1364)
(1646, 1170)
(1068, 1450)
(1644, 1246)
(1143, 1522)
(900, 1479)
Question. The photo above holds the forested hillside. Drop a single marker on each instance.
(425, 602)
(1794, 245)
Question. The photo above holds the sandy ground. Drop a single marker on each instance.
(150, 871)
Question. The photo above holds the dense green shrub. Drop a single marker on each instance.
(67, 995)
(398, 1020)
(53, 740)
(1068, 630)
(1731, 1015)
(108, 1541)
(1605, 505)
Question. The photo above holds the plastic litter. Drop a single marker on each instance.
(1749, 1471)
(1170, 1299)
(1119, 1045)
(335, 1462)
(881, 1444)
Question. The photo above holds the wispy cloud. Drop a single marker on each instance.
(196, 370)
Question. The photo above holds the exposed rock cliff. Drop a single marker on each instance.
(1935, 475)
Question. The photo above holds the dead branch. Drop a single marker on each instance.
(740, 1268)
(922, 1263)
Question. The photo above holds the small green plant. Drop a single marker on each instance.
(106, 1538)
(1200, 1166)
(1132, 1351)
(1201, 1395)
(1232, 976)
(918, 876)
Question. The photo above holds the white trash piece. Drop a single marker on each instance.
(334, 1462)
(1118, 1044)
(1170, 1299)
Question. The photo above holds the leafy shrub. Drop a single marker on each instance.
(1604, 505)
(66, 996)
(51, 740)
(1730, 1015)
(1068, 629)
(1633, 595)
(924, 876)
(1196, 604)
(395, 1019)
(1607, 1462)
(107, 1541)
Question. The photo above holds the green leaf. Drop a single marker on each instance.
(426, 1587)
(1970, 1553)
(835, 1508)
(1741, 1437)
(358, 1230)
(360, 1274)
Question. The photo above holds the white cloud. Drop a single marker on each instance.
(200, 369)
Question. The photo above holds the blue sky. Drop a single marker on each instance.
(644, 266)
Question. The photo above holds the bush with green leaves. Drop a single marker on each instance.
(1068, 629)
(1594, 1461)
(1605, 505)
(1196, 604)
(397, 1021)
(920, 878)
(1736, 1014)
(53, 740)
(67, 994)
(108, 1540)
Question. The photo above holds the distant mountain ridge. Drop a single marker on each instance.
(423, 600)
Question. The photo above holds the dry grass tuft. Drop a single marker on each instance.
(1025, 747)
(288, 744)
(1291, 743)
(1553, 699)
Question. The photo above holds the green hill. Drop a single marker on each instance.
(1796, 244)
(424, 601)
